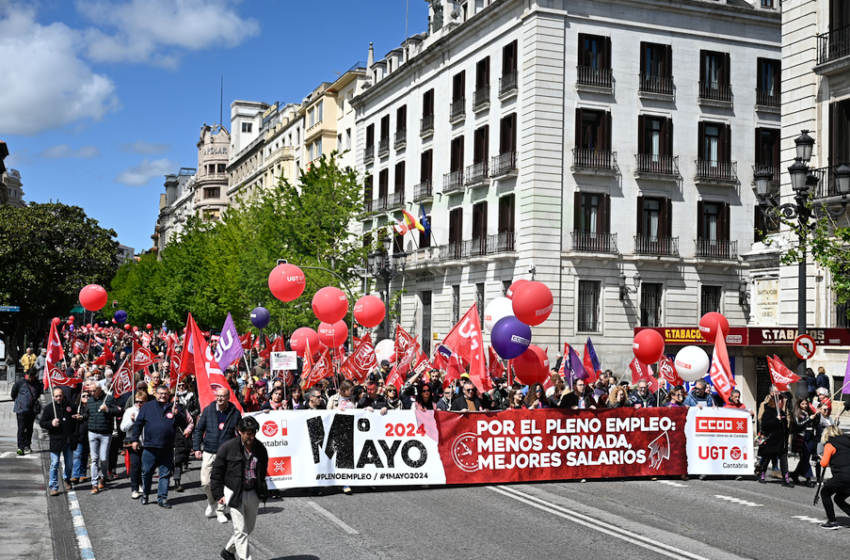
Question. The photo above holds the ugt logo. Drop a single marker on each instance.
(468, 330)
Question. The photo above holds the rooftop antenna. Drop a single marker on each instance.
(221, 104)
(407, 21)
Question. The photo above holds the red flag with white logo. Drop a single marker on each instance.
(173, 364)
(79, 346)
(465, 341)
(245, 340)
(318, 372)
(406, 348)
(361, 361)
(667, 371)
(780, 374)
(122, 381)
(142, 358)
(721, 372)
(643, 372)
(58, 378)
(496, 368)
(54, 354)
(395, 378)
(105, 357)
(207, 373)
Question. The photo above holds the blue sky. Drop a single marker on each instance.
(102, 98)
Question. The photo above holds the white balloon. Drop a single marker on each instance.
(498, 308)
(691, 363)
(385, 349)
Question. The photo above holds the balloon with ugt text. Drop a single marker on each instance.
(299, 339)
(710, 323)
(120, 315)
(648, 346)
(260, 317)
(93, 297)
(532, 303)
(330, 305)
(287, 282)
(333, 336)
(369, 311)
(532, 366)
(510, 337)
(691, 363)
(497, 308)
(514, 287)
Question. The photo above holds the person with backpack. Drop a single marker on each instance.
(26, 393)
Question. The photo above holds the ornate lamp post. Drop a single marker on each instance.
(386, 265)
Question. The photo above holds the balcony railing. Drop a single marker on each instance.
(379, 204)
(716, 249)
(481, 97)
(653, 83)
(426, 124)
(452, 251)
(654, 163)
(400, 138)
(767, 98)
(504, 242)
(597, 77)
(827, 185)
(422, 191)
(774, 171)
(458, 108)
(368, 206)
(659, 246)
(503, 164)
(593, 159)
(383, 146)
(508, 82)
(715, 91)
(594, 242)
(453, 181)
(722, 170)
(395, 200)
(369, 153)
(476, 173)
(833, 45)
(475, 247)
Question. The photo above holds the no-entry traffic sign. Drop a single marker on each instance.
(804, 347)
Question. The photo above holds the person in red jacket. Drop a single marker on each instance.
(836, 455)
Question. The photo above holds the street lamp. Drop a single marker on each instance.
(386, 265)
(625, 290)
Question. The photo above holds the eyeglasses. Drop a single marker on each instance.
(469, 390)
(221, 396)
(140, 402)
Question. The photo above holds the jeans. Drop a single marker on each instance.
(25, 422)
(135, 469)
(67, 455)
(81, 460)
(99, 445)
(164, 459)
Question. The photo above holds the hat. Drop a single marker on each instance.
(385, 363)
(260, 383)
(464, 375)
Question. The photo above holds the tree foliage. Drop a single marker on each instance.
(215, 268)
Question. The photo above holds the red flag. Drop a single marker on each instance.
(105, 357)
(207, 373)
(421, 365)
(592, 375)
(173, 364)
(438, 360)
(395, 378)
(780, 374)
(186, 360)
(466, 341)
(266, 352)
(564, 358)
(721, 372)
(142, 358)
(496, 368)
(56, 377)
(245, 340)
(667, 372)
(79, 346)
(361, 361)
(54, 354)
(547, 383)
(122, 381)
(405, 349)
(643, 372)
(318, 372)
(453, 371)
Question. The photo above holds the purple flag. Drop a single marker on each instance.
(846, 389)
(594, 359)
(229, 348)
(577, 370)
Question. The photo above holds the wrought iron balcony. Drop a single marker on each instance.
(658, 246)
(383, 146)
(827, 183)
(369, 153)
(654, 163)
(717, 170)
(767, 98)
(594, 242)
(715, 91)
(834, 45)
(379, 204)
(453, 182)
(503, 164)
(395, 200)
(481, 98)
(422, 191)
(504, 242)
(458, 110)
(596, 77)
(475, 247)
(426, 125)
(716, 249)
(452, 251)
(594, 159)
(400, 138)
(476, 173)
(653, 83)
(508, 83)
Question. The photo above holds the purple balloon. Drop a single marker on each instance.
(120, 315)
(71, 328)
(260, 317)
(510, 337)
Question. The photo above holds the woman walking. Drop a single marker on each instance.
(774, 427)
(836, 455)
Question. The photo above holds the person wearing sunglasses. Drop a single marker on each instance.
(423, 400)
(469, 400)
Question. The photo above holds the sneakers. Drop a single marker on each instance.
(221, 518)
(209, 512)
(163, 504)
(179, 488)
(94, 490)
(776, 474)
(144, 500)
(830, 526)
(20, 451)
(54, 492)
(27, 450)
(75, 480)
(101, 484)
(227, 555)
(136, 495)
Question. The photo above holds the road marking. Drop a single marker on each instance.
(737, 501)
(809, 519)
(333, 518)
(14, 453)
(672, 483)
(83, 542)
(595, 524)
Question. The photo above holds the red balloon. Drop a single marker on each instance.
(88, 325)
(369, 311)
(287, 282)
(532, 366)
(330, 305)
(648, 346)
(135, 329)
(333, 336)
(126, 327)
(56, 320)
(93, 297)
(71, 319)
(710, 323)
(299, 339)
(148, 326)
(532, 303)
(514, 287)
(114, 321)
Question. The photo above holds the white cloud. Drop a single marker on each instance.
(158, 31)
(65, 151)
(145, 148)
(45, 83)
(140, 175)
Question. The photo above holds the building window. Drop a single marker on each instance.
(506, 214)
(212, 192)
(221, 167)
(650, 305)
(594, 60)
(383, 184)
(710, 299)
(509, 59)
(714, 76)
(588, 306)
(481, 96)
(763, 227)
(592, 138)
(506, 285)
(768, 88)
(320, 111)
(714, 148)
(455, 304)
(455, 234)
(656, 68)
(479, 301)
(592, 223)
(841, 320)
(347, 138)
(367, 192)
(311, 118)
(246, 127)
(655, 145)
(399, 180)
(839, 132)
(766, 3)
(456, 160)
(212, 215)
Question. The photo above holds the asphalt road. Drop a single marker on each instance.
(712, 519)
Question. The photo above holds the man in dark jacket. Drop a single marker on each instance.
(25, 393)
(239, 480)
(468, 401)
(216, 425)
(100, 412)
(157, 420)
(57, 420)
(642, 397)
(822, 381)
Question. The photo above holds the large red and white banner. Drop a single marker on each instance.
(720, 441)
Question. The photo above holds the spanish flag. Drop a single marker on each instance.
(411, 221)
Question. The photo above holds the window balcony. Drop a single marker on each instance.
(474, 247)
(457, 112)
(476, 174)
(716, 249)
(653, 86)
(400, 139)
(503, 165)
(508, 85)
(384, 147)
(423, 191)
(481, 99)
(504, 242)
(369, 154)
(426, 127)
(657, 246)
(717, 173)
(453, 182)
(658, 167)
(594, 162)
(395, 200)
(594, 242)
(378, 205)
(827, 183)
(451, 252)
(768, 101)
(833, 45)
(594, 80)
(715, 94)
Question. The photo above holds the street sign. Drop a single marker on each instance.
(9, 308)
(284, 361)
(804, 347)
